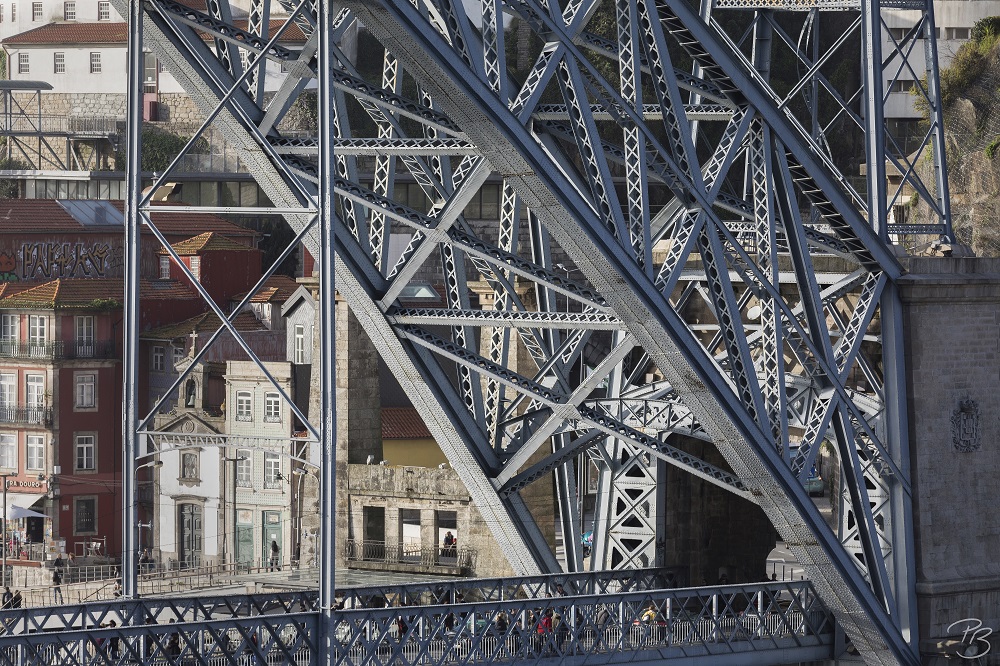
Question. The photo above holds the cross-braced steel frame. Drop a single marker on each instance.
(657, 270)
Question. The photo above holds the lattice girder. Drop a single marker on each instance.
(744, 380)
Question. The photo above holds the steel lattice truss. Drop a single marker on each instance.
(669, 224)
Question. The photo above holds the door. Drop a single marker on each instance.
(191, 535)
(272, 532)
(244, 536)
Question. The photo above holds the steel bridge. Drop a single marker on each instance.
(650, 166)
(604, 617)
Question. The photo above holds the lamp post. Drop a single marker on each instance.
(300, 475)
(235, 462)
(154, 464)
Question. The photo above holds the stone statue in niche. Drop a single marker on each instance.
(965, 426)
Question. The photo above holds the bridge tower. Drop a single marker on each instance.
(654, 163)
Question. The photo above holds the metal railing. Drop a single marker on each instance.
(397, 553)
(26, 415)
(49, 124)
(102, 349)
(761, 623)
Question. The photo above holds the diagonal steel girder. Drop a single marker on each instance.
(200, 74)
(646, 313)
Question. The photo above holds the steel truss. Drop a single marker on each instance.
(615, 617)
(665, 220)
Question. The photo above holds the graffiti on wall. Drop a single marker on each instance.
(48, 261)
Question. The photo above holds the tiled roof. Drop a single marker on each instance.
(104, 32)
(403, 423)
(245, 322)
(20, 216)
(277, 289)
(206, 242)
(84, 293)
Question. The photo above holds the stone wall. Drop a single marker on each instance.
(427, 490)
(951, 311)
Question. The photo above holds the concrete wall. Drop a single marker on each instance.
(951, 310)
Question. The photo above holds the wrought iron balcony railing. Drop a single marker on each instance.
(396, 553)
(101, 349)
(26, 415)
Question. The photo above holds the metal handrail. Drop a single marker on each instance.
(400, 553)
(58, 349)
(26, 414)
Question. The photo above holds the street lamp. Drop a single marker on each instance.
(235, 461)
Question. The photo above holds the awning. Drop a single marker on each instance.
(21, 502)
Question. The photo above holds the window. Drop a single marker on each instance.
(86, 394)
(69, 11)
(8, 391)
(178, 355)
(85, 452)
(38, 326)
(244, 468)
(1, 13)
(189, 466)
(85, 336)
(898, 33)
(272, 470)
(196, 268)
(85, 515)
(59, 63)
(902, 86)
(36, 11)
(244, 406)
(13, 11)
(8, 451)
(956, 33)
(22, 64)
(164, 267)
(103, 11)
(35, 452)
(300, 344)
(35, 390)
(272, 408)
(9, 325)
(158, 360)
(95, 62)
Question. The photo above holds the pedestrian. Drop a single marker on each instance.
(16, 601)
(7, 596)
(114, 644)
(57, 595)
(449, 544)
(118, 588)
(275, 561)
(144, 561)
(174, 643)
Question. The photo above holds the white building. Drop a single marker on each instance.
(954, 20)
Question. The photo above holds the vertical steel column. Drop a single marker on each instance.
(937, 119)
(133, 229)
(327, 305)
(871, 52)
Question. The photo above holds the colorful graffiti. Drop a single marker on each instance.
(49, 261)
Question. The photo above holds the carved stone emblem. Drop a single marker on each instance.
(965, 426)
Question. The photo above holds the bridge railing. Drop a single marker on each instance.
(770, 621)
(609, 627)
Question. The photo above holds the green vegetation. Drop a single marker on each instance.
(159, 148)
(9, 186)
(969, 63)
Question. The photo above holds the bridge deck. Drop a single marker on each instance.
(627, 617)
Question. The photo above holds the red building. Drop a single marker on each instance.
(61, 293)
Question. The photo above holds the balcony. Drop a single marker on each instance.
(100, 349)
(382, 556)
(26, 415)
